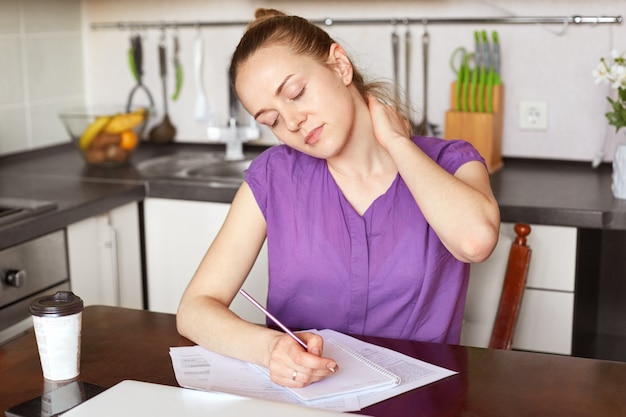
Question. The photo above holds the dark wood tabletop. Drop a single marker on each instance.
(119, 344)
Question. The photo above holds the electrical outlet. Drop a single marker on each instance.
(533, 115)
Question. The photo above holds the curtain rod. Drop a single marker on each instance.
(389, 21)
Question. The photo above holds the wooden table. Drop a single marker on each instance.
(120, 344)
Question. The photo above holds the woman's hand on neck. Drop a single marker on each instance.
(363, 154)
(388, 124)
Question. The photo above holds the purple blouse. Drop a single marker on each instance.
(385, 273)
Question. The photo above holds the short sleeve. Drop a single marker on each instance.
(449, 154)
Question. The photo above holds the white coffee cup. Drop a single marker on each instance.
(57, 320)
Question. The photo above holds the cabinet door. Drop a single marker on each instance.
(105, 258)
(178, 233)
(546, 315)
(545, 322)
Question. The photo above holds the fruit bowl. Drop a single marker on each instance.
(105, 138)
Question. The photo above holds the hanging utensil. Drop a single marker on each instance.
(408, 47)
(164, 131)
(425, 127)
(178, 68)
(135, 59)
(407, 66)
(395, 50)
(422, 128)
(202, 111)
(425, 52)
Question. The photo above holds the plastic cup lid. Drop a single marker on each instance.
(63, 303)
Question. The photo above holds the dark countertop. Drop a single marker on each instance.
(532, 191)
(558, 193)
(58, 174)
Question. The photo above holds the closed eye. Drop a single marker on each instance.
(269, 118)
(274, 123)
(299, 95)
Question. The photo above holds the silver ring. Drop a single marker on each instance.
(294, 375)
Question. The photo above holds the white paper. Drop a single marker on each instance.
(199, 368)
(412, 372)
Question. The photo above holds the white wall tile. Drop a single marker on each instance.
(54, 66)
(41, 72)
(47, 127)
(51, 15)
(13, 130)
(11, 77)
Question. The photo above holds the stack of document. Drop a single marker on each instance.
(367, 375)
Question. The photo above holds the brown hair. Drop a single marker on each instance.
(301, 37)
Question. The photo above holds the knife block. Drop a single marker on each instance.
(483, 130)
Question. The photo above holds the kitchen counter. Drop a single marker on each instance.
(558, 193)
(58, 174)
(532, 191)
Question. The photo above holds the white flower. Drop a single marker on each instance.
(612, 71)
(618, 76)
(601, 73)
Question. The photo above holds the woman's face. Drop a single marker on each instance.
(309, 106)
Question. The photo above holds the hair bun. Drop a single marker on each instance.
(262, 13)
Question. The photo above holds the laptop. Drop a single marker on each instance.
(135, 398)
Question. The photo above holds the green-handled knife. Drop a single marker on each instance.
(475, 72)
(485, 64)
(462, 78)
(493, 77)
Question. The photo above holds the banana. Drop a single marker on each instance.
(92, 131)
(122, 122)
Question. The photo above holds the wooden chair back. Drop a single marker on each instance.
(512, 290)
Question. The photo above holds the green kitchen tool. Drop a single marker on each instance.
(485, 63)
(475, 73)
(462, 77)
(493, 77)
(136, 62)
(178, 68)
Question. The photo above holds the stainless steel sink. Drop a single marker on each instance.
(208, 166)
(14, 209)
(222, 169)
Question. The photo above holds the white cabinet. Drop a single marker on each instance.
(547, 312)
(178, 234)
(105, 258)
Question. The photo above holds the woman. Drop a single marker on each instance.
(369, 230)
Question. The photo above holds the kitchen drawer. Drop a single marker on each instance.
(553, 262)
(105, 258)
(178, 234)
(545, 322)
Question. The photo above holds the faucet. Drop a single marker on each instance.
(234, 135)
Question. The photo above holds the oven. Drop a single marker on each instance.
(28, 271)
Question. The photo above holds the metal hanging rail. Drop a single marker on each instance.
(563, 20)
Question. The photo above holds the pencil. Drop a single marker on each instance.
(274, 319)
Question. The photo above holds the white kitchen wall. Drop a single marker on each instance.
(41, 71)
(550, 63)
